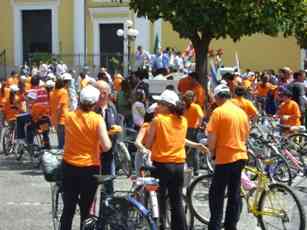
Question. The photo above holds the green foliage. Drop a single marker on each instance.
(216, 19)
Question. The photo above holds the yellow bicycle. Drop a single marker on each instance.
(274, 205)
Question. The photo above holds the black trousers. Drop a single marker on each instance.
(171, 183)
(79, 188)
(226, 176)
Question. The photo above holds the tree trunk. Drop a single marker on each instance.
(201, 58)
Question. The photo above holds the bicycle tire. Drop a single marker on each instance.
(187, 212)
(202, 195)
(281, 188)
(57, 205)
(124, 158)
(281, 171)
(7, 142)
(123, 214)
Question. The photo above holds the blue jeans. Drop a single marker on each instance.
(60, 129)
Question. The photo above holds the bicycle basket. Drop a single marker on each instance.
(52, 163)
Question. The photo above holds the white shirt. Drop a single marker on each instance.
(138, 109)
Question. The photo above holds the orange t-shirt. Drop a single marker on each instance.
(12, 110)
(59, 105)
(247, 83)
(246, 105)
(168, 146)
(199, 94)
(262, 91)
(290, 108)
(193, 114)
(82, 142)
(231, 126)
(12, 81)
(38, 111)
(117, 83)
(184, 84)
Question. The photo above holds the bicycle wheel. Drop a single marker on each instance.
(124, 159)
(198, 198)
(279, 169)
(124, 214)
(7, 142)
(280, 208)
(298, 142)
(57, 205)
(187, 212)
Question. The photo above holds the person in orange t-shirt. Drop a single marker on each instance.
(59, 106)
(262, 90)
(166, 140)
(244, 103)
(228, 130)
(117, 82)
(13, 79)
(194, 115)
(13, 105)
(85, 135)
(184, 84)
(288, 111)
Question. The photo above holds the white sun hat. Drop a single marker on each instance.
(66, 76)
(89, 95)
(168, 96)
(221, 89)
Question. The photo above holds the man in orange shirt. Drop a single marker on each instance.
(288, 111)
(191, 83)
(59, 106)
(228, 130)
(194, 115)
(244, 103)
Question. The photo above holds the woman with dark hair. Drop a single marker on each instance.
(123, 101)
(141, 137)
(166, 140)
(81, 158)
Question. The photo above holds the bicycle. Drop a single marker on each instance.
(122, 159)
(118, 212)
(145, 190)
(35, 150)
(260, 197)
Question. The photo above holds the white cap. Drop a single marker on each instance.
(32, 96)
(66, 76)
(50, 84)
(168, 96)
(152, 108)
(89, 94)
(51, 76)
(14, 88)
(23, 77)
(221, 88)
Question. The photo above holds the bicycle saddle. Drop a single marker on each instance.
(101, 179)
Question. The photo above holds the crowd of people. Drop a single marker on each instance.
(87, 114)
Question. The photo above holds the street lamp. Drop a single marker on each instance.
(129, 34)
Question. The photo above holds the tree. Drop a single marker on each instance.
(201, 21)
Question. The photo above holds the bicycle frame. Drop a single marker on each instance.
(262, 185)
